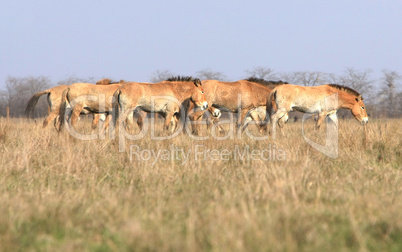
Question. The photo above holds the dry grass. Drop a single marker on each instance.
(60, 193)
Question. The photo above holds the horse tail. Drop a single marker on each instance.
(271, 104)
(33, 101)
(63, 108)
(116, 106)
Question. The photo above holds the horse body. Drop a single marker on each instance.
(165, 98)
(239, 96)
(85, 98)
(323, 100)
(53, 99)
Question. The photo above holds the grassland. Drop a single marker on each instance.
(59, 193)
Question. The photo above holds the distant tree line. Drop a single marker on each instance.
(382, 96)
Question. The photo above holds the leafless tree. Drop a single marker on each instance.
(74, 79)
(398, 105)
(3, 103)
(159, 76)
(331, 78)
(265, 73)
(208, 74)
(305, 78)
(390, 84)
(19, 90)
(359, 80)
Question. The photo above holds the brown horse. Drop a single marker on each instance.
(236, 97)
(85, 98)
(323, 100)
(54, 101)
(165, 98)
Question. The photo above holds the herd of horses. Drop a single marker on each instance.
(185, 98)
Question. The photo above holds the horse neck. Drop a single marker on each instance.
(183, 90)
(347, 101)
(262, 94)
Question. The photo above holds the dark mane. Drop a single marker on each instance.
(345, 89)
(181, 78)
(269, 84)
(108, 81)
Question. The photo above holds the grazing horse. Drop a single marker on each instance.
(239, 96)
(54, 101)
(323, 100)
(85, 98)
(165, 98)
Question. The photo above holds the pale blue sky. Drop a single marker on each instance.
(130, 40)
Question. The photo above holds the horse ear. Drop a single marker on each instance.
(359, 98)
(197, 82)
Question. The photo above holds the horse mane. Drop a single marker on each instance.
(105, 81)
(180, 78)
(345, 89)
(108, 81)
(269, 84)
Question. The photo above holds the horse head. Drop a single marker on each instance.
(198, 96)
(359, 110)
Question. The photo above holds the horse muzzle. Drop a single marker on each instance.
(204, 105)
(216, 113)
(364, 120)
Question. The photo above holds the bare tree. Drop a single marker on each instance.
(360, 81)
(305, 78)
(19, 90)
(398, 105)
(265, 73)
(389, 92)
(74, 79)
(331, 78)
(208, 74)
(159, 76)
(3, 103)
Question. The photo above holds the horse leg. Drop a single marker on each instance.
(168, 119)
(106, 123)
(195, 118)
(56, 123)
(240, 119)
(95, 121)
(215, 116)
(126, 110)
(264, 124)
(142, 115)
(174, 123)
(155, 117)
(275, 118)
(49, 118)
(321, 118)
(283, 120)
(192, 117)
(75, 114)
(253, 116)
(129, 121)
(334, 119)
(176, 119)
(247, 120)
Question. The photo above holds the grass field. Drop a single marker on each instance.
(58, 193)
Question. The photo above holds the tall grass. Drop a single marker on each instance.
(61, 193)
